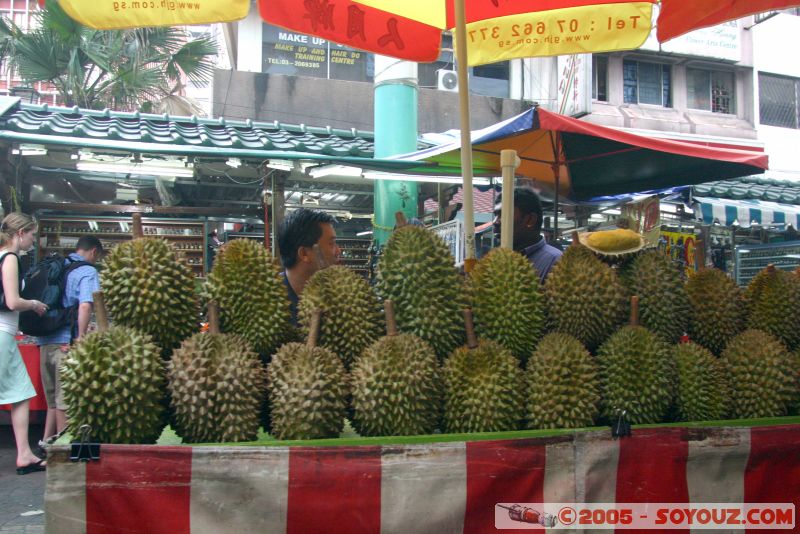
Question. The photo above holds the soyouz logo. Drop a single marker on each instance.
(656, 516)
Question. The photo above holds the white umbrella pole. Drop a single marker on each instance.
(509, 163)
(466, 141)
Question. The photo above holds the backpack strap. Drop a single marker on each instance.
(71, 266)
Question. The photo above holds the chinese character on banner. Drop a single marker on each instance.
(644, 217)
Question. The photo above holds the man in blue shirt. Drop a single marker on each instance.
(81, 282)
(528, 238)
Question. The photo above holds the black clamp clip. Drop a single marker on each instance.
(622, 428)
(84, 450)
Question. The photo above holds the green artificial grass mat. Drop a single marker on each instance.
(349, 438)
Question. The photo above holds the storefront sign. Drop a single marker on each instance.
(644, 217)
(723, 41)
(680, 248)
(296, 54)
(574, 84)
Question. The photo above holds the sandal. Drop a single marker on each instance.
(32, 468)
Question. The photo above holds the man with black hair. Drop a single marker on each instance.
(79, 285)
(528, 230)
(299, 232)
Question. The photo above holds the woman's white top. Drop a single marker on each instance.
(9, 320)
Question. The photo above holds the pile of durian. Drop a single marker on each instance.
(595, 341)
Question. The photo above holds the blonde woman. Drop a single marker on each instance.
(16, 233)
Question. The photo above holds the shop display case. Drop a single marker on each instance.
(750, 259)
(355, 253)
(61, 234)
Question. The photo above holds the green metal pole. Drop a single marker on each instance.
(395, 133)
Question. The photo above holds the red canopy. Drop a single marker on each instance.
(681, 16)
(583, 160)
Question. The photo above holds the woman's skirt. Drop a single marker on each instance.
(15, 384)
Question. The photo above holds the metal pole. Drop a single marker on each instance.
(466, 140)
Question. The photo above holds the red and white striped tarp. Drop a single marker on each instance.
(432, 488)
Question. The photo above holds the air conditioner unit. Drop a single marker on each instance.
(447, 80)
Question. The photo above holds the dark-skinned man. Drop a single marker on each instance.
(528, 239)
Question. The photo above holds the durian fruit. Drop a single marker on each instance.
(794, 403)
(482, 386)
(716, 309)
(351, 309)
(617, 240)
(397, 386)
(761, 375)
(417, 273)
(217, 386)
(308, 388)
(703, 392)
(114, 381)
(637, 371)
(507, 301)
(663, 303)
(247, 284)
(562, 381)
(585, 298)
(773, 304)
(149, 287)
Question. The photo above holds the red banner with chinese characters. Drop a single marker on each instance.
(352, 24)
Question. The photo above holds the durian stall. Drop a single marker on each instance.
(336, 427)
(425, 428)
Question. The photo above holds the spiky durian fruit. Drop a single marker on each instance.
(773, 304)
(585, 298)
(149, 287)
(663, 303)
(352, 313)
(761, 375)
(482, 389)
(247, 283)
(715, 308)
(637, 375)
(416, 272)
(217, 386)
(507, 302)
(308, 390)
(115, 382)
(703, 392)
(397, 388)
(794, 403)
(562, 381)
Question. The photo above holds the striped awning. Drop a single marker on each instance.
(747, 212)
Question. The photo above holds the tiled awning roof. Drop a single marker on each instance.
(42, 123)
(751, 188)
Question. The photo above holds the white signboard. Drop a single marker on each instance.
(574, 84)
(723, 41)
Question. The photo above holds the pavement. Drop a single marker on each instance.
(21, 497)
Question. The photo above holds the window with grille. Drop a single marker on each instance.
(646, 83)
(711, 90)
(778, 100)
(600, 78)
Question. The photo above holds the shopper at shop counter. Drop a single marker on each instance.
(79, 285)
(528, 238)
(16, 234)
(298, 234)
